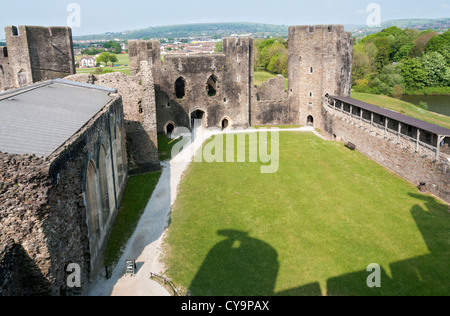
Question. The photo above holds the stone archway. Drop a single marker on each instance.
(310, 120)
(198, 114)
(169, 128)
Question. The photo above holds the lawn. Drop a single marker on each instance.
(135, 198)
(403, 107)
(165, 145)
(312, 228)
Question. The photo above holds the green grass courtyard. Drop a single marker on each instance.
(312, 228)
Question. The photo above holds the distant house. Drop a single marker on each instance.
(87, 62)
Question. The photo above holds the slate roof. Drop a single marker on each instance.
(38, 119)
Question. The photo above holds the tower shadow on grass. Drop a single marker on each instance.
(244, 266)
(241, 266)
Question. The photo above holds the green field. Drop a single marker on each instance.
(312, 228)
(123, 65)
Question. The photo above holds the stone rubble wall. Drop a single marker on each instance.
(24, 190)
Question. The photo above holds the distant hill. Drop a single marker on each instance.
(219, 30)
(439, 25)
(211, 30)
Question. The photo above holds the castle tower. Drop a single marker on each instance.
(239, 73)
(143, 50)
(320, 62)
(34, 54)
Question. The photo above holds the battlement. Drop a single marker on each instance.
(321, 28)
(143, 50)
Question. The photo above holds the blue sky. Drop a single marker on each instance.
(100, 16)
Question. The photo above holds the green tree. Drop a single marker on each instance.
(106, 58)
(388, 79)
(113, 46)
(113, 58)
(413, 73)
(438, 72)
(383, 52)
(362, 65)
(435, 43)
(403, 52)
(218, 48)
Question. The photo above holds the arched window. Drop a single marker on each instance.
(310, 121)
(104, 189)
(93, 204)
(211, 85)
(180, 88)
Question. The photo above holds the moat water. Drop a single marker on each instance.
(436, 103)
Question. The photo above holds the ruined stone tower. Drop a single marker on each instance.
(34, 54)
(320, 62)
(213, 87)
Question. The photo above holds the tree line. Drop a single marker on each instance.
(397, 61)
(272, 55)
(110, 46)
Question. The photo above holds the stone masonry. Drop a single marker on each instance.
(35, 53)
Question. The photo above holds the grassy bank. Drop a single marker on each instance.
(311, 228)
(403, 108)
(135, 198)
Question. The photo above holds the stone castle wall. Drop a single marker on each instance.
(34, 54)
(138, 97)
(44, 213)
(232, 73)
(270, 104)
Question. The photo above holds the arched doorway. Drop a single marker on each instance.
(170, 127)
(196, 116)
(310, 121)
